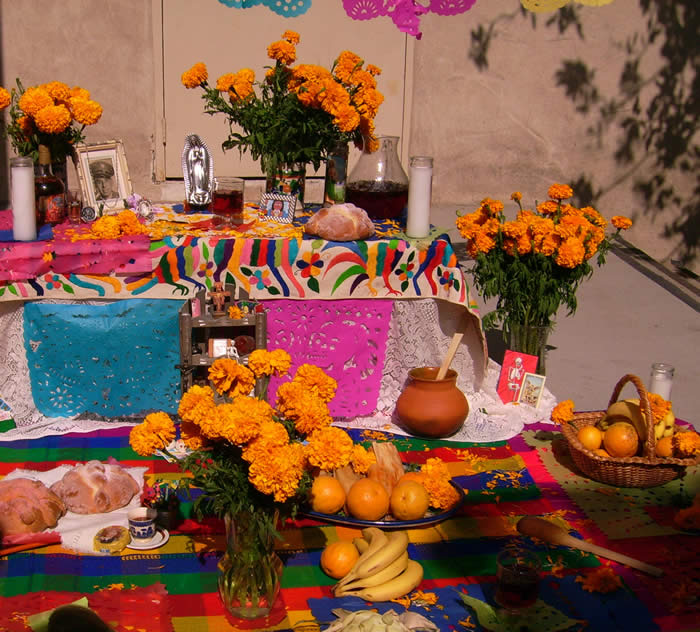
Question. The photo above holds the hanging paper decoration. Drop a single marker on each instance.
(404, 13)
(285, 8)
(543, 6)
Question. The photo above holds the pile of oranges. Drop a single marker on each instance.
(619, 440)
(369, 499)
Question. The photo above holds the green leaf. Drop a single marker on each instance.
(313, 284)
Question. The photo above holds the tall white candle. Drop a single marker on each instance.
(22, 193)
(661, 379)
(420, 187)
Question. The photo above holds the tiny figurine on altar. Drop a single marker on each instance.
(218, 297)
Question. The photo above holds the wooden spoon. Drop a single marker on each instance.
(454, 345)
(545, 530)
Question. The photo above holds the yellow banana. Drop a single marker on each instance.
(395, 588)
(630, 409)
(659, 430)
(394, 569)
(377, 541)
(361, 545)
(397, 542)
(668, 432)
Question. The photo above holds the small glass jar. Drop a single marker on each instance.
(661, 379)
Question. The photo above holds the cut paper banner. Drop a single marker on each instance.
(285, 8)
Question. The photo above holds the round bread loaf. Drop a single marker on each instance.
(96, 487)
(340, 222)
(28, 506)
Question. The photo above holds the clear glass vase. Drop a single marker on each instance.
(250, 569)
(530, 339)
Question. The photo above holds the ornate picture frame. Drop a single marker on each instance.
(531, 389)
(103, 174)
(276, 207)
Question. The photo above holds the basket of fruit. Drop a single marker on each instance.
(631, 444)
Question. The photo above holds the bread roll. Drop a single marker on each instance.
(28, 506)
(96, 488)
(340, 222)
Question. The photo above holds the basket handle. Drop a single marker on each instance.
(650, 443)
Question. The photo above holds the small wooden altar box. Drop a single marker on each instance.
(203, 335)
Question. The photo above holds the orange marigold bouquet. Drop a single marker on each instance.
(298, 112)
(535, 262)
(51, 114)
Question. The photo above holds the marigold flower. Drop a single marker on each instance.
(284, 52)
(53, 119)
(278, 473)
(686, 444)
(57, 90)
(144, 441)
(271, 436)
(361, 459)
(80, 93)
(4, 98)
(162, 425)
(560, 192)
(231, 378)
(85, 111)
(195, 76)
(437, 483)
(516, 196)
(196, 402)
(291, 36)
(347, 63)
(659, 406)
(621, 222)
(33, 100)
(547, 208)
(601, 579)
(262, 362)
(191, 435)
(374, 70)
(570, 253)
(329, 448)
(316, 381)
(235, 312)
(240, 421)
(563, 412)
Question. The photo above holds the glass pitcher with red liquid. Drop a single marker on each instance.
(378, 183)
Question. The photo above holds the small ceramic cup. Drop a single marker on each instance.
(142, 523)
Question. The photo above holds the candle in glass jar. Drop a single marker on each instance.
(420, 182)
(661, 379)
(22, 192)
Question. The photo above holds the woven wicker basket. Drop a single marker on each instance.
(647, 470)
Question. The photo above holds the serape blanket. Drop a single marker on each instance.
(174, 587)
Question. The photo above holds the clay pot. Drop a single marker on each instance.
(428, 407)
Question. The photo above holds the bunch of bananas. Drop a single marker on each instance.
(383, 571)
(629, 410)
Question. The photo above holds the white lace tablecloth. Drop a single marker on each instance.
(419, 335)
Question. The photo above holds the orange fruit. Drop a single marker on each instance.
(601, 452)
(327, 495)
(367, 500)
(419, 477)
(664, 447)
(621, 439)
(590, 437)
(409, 500)
(338, 558)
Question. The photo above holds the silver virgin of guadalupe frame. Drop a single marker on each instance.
(198, 171)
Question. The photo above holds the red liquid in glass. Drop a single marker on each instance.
(381, 200)
(517, 587)
(229, 204)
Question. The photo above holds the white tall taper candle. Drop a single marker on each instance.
(419, 192)
(22, 192)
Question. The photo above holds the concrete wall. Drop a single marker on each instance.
(508, 127)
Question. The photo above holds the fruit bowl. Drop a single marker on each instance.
(431, 518)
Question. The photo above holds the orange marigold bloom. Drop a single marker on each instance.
(347, 119)
(4, 98)
(570, 253)
(560, 192)
(162, 425)
(85, 111)
(659, 406)
(144, 441)
(242, 419)
(548, 208)
(291, 36)
(231, 378)
(26, 125)
(329, 448)
(361, 459)
(686, 444)
(196, 402)
(621, 222)
(347, 63)
(78, 92)
(191, 435)
(374, 70)
(272, 435)
(53, 119)
(33, 100)
(601, 579)
(57, 90)
(235, 312)
(195, 76)
(484, 243)
(315, 380)
(278, 474)
(282, 51)
(563, 412)
(516, 196)
(491, 207)
(594, 216)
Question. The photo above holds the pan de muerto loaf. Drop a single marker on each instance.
(96, 487)
(28, 506)
(340, 222)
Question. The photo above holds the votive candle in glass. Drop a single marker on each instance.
(22, 195)
(420, 184)
(661, 379)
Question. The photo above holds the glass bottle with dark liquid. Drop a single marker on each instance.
(378, 183)
(517, 580)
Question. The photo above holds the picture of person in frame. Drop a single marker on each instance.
(531, 390)
(102, 172)
(277, 209)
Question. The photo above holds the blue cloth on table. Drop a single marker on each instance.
(115, 359)
(44, 234)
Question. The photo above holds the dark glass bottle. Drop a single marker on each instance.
(49, 191)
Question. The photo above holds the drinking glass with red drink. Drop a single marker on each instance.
(517, 579)
(228, 200)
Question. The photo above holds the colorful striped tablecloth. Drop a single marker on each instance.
(174, 588)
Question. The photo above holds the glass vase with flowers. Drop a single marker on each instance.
(298, 113)
(534, 263)
(252, 463)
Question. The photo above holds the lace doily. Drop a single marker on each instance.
(346, 338)
(127, 367)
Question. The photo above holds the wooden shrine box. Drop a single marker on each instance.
(205, 337)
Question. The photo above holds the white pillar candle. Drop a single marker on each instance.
(661, 379)
(22, 193)
(419, 192)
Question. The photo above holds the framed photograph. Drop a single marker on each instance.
(531, 390)
(104, 175)
(276, 207)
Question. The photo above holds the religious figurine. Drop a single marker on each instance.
(218, 298)
(198, 171)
